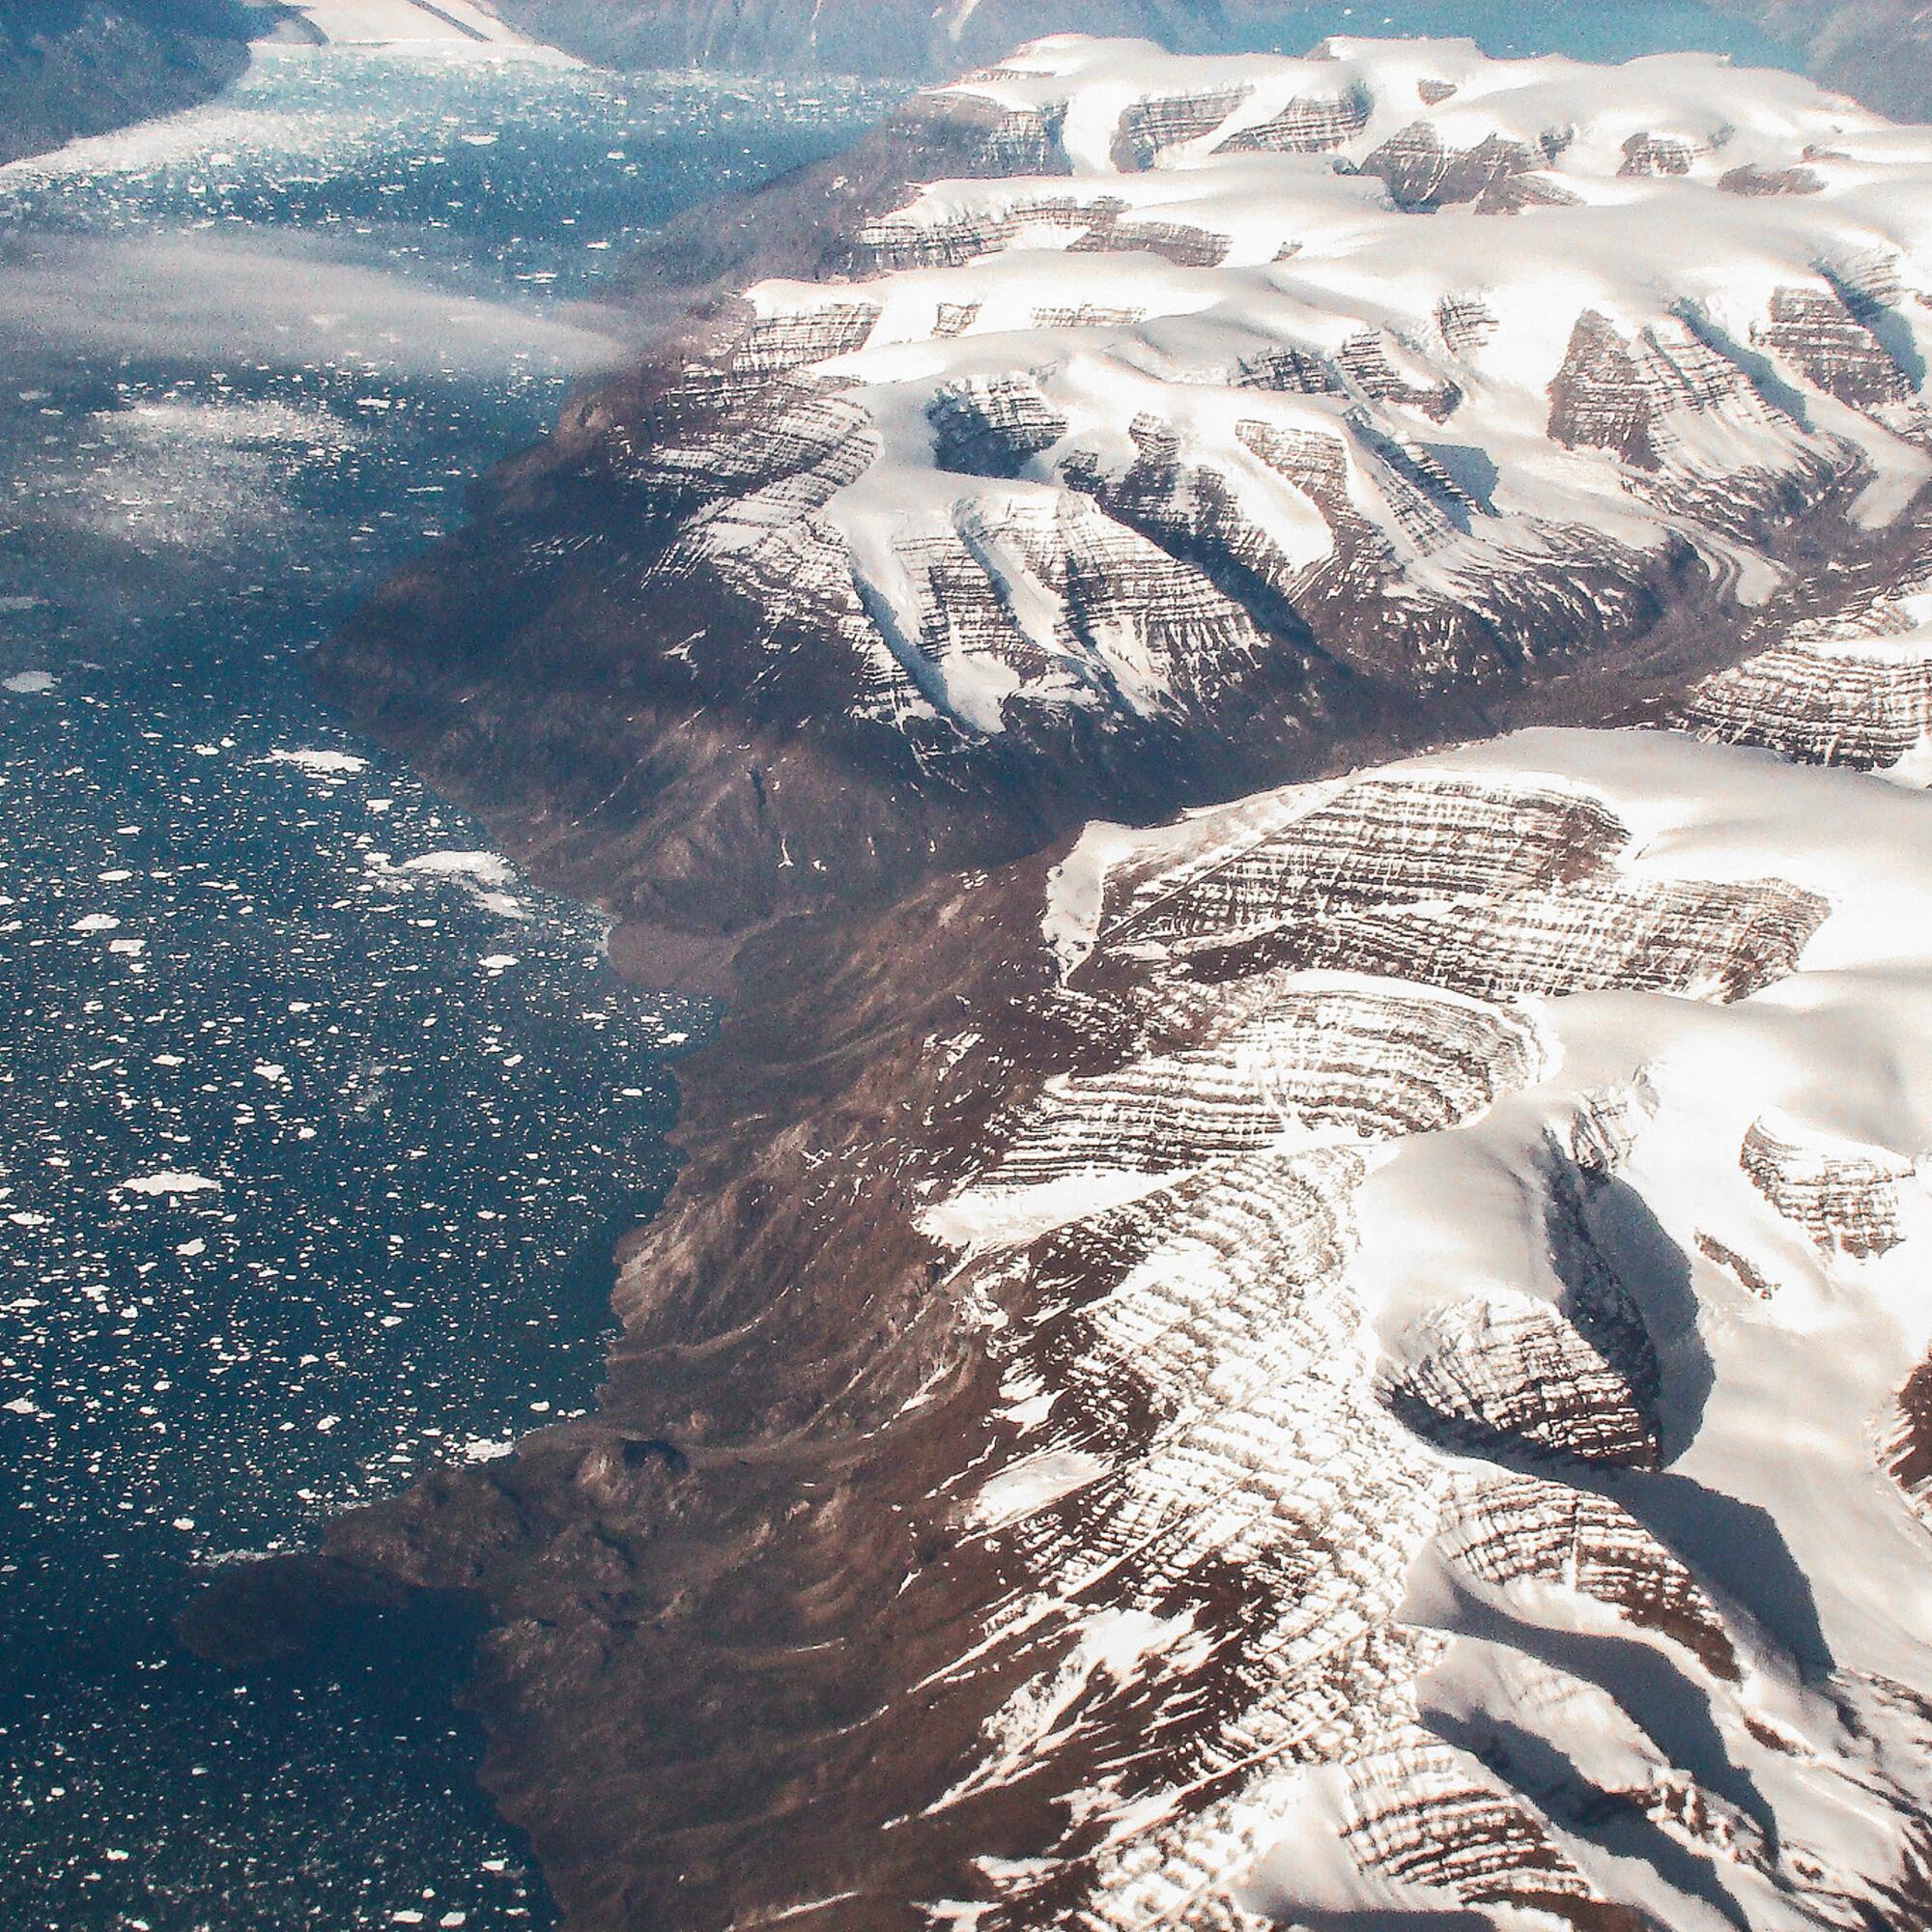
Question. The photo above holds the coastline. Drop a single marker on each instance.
(704, 1598)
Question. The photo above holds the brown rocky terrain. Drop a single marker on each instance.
(765, 1643)
(1313, 1365)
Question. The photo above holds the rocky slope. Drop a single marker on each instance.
(69, 67)
(1116, 431)
(1357, 1360)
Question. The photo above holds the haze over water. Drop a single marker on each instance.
(316, 1121)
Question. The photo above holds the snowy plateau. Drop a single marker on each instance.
(1362, 1359)
(1402, 327)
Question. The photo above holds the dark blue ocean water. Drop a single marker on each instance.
(316, 1121)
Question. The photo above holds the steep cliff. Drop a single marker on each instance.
(69, 67)
(1880, 50)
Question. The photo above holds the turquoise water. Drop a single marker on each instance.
(316, 1121)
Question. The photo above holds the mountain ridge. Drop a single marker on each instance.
(923, 1563)
(1874, 48)
(72, 68)
(828, 575)
(1321, 1361)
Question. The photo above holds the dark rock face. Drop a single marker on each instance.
(1225, 1374)
(1880, 50)
(69, 67)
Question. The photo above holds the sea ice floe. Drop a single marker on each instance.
(322, 764)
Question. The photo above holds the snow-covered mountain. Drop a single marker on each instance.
(1392, 347)
(1128, 429)
(1356, 1359)
(1466, 1344)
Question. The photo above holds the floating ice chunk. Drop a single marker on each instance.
(322, 764)
(94, 921)
(170, 1183)
(30, 683)
(487, 869)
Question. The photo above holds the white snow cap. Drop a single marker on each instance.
(1397, 314)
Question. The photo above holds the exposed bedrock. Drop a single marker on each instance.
(1047, 456)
